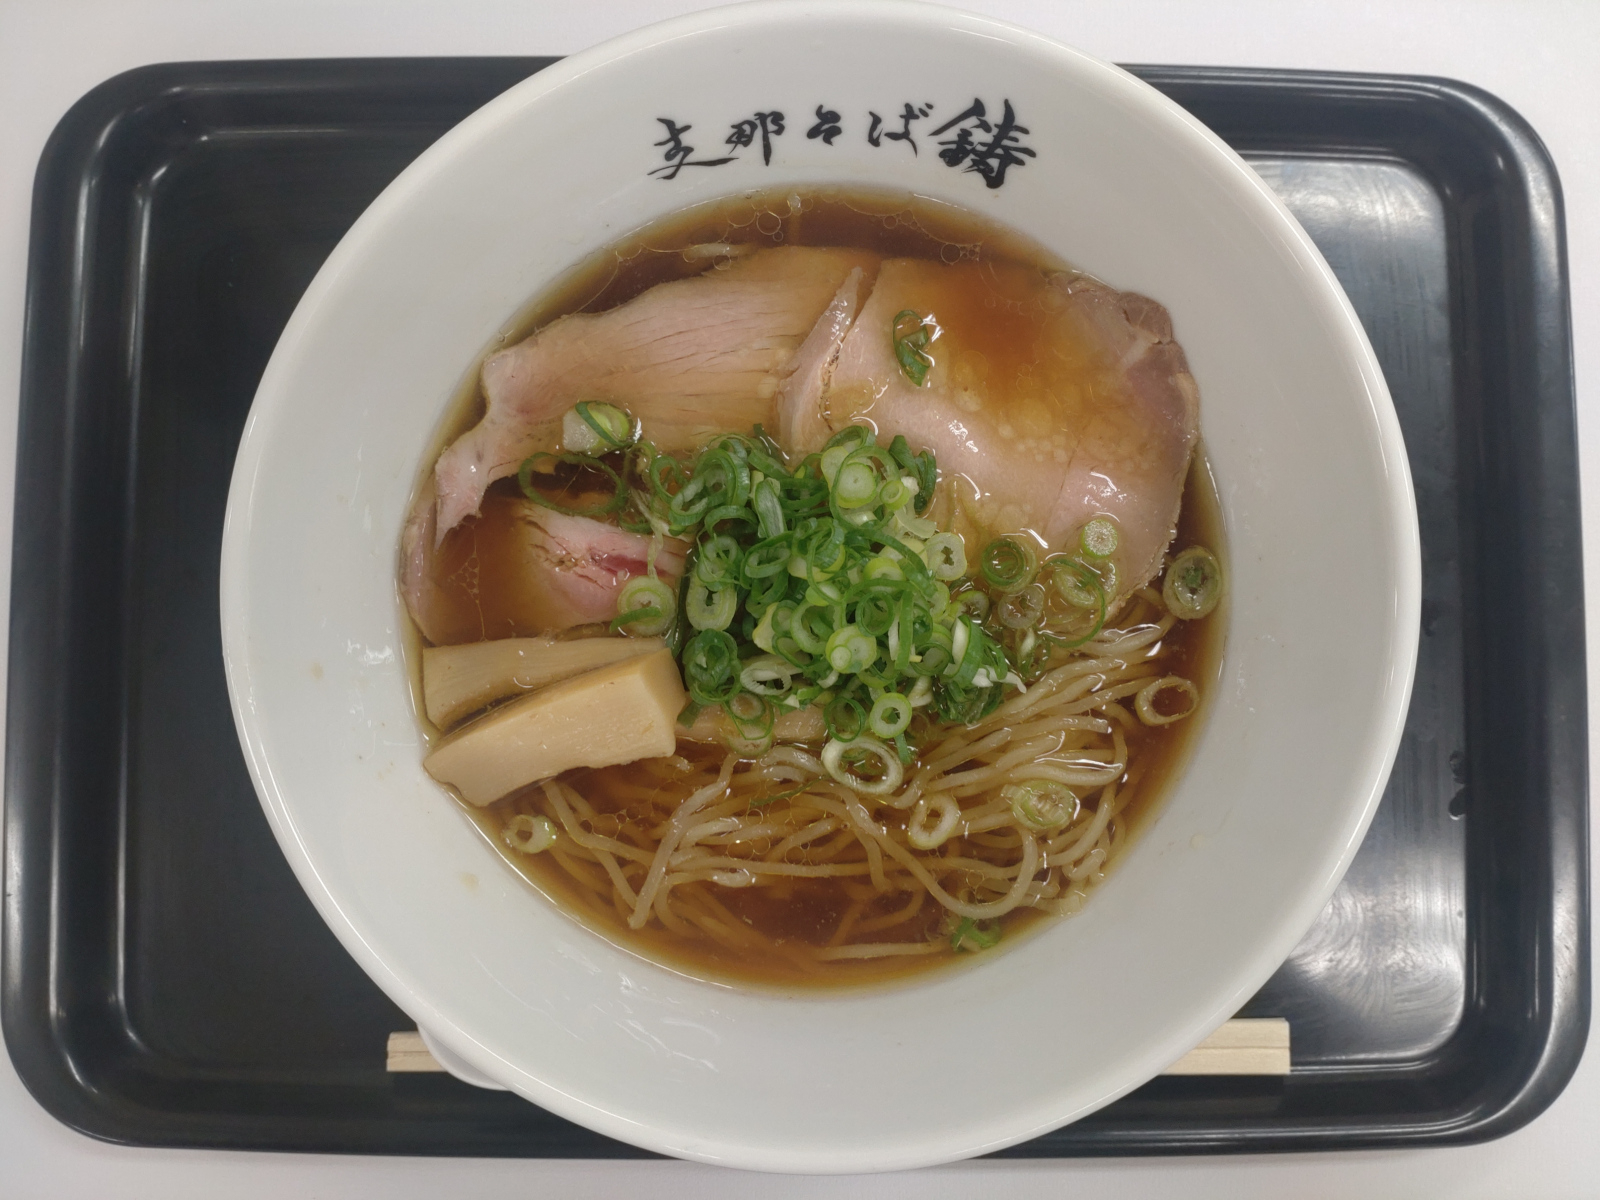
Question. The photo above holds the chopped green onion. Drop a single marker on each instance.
(766, 559)
(616, 503)
(529, 834)
(891, 713)
(644, 607)
(881, 566)
(974, 604)
(1021, 610)
(594, 427)
(910, 334)
(922, 467)
(874, 613)
(856, 484)
(933, 820)
(764, 632)
(851, 437)
(1145, 702)
(1041, 804)
(960, 643)
(664, 474)
(1075, 582)
(710, 609)
(717, 562)
(844, 719)
(638, 616)
(832, 459)
(1099, 538)
(850, 649)
(816, 584)
(895, 493)
(1079, 585)
(946, 556)
(1009, 564)
(969, 935)
(809, 626)
(711, 667)
(768, 675)
(906, 525)
(1193, 585)
(753, 722)
(768, 503)
(838, 759)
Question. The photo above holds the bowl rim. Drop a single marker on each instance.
(1244, 185)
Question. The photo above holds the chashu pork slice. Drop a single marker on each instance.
(800, 420)
(518, 569)
(691, 358)
(1051, 399)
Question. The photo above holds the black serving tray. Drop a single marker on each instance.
(166, 982)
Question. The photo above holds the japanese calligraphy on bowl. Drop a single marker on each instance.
(972, 141)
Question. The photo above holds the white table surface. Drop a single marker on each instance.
(1543, 58)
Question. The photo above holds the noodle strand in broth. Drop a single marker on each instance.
(765, 823)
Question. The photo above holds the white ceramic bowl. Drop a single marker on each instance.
(1288, 768)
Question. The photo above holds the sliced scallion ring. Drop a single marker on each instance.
(1145, 702)
(850, 649)
(1076, 583)
(717, 563)
(617, 502)
(1079, 585)
(1021, 609)
(644, 607)
(933, 820)
(896, 493)
(595, 427)
(753, 722)
(882, 567)
(891, 713)
(711, 667)
(844, 719)
(860, 750)
(767, 500)
(1009, 564)
(946, 556)
(1041, 804)
(767, 675)
(921, 467)
(1193, 586)
(1099, 538)
(974, 604)
(856, 484)
(710, 608)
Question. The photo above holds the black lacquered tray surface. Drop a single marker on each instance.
(167, 982)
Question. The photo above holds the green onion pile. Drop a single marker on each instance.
(823, 584)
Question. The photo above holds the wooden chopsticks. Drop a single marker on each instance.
(1244, 1046)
